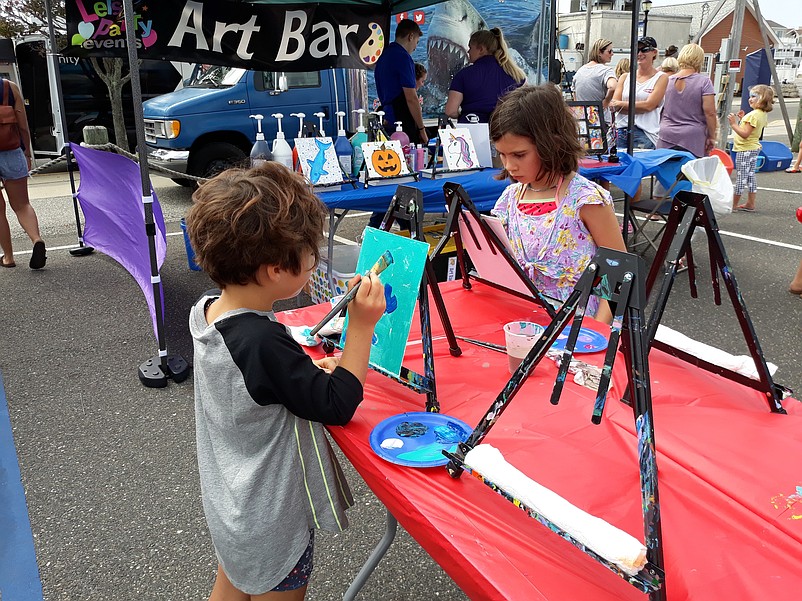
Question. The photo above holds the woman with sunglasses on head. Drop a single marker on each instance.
(650, 90)
(595, 80)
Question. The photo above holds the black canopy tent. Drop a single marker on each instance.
(155, 371)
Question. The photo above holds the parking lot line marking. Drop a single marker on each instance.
(19, 573)
(780, 190)
(761, 240)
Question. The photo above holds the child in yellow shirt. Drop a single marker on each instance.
(747, 143)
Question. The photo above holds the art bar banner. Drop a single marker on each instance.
(305, 36)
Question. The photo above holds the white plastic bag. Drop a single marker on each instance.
(708, 176)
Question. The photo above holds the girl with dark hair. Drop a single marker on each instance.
(554, 217)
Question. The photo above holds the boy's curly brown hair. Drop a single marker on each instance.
(245, 218)
(540, 114)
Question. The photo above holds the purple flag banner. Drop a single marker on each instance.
(110, 195)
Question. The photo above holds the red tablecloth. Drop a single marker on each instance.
(727, 468)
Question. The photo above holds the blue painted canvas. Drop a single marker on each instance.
(401, 285)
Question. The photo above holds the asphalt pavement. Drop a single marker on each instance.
(108, 466)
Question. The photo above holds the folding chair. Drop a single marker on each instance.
(655, 212)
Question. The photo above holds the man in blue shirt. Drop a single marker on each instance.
(397, 89)
(395, 82)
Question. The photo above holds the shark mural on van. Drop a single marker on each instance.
(446, 30)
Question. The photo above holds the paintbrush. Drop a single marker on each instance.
(383, 263)
(492, 346)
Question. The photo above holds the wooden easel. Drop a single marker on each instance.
(407, 204)
(618, 278)
(690, 210)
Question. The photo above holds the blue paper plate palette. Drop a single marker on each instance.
(588, 341)
(418, 439)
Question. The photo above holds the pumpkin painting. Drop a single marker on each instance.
(386, 162)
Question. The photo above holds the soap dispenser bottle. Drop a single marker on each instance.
(320, 131)
(296, 164)
(359, 138)
(260, 153)
(343, 148)
(401, 136)
(282, 151)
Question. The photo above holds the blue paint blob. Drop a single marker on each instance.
(426, 453)
(449, 433)
(390, 299)
(411, 429)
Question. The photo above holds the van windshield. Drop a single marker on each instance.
(214, 76)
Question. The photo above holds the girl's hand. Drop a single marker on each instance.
(731, 118)
(741, 114)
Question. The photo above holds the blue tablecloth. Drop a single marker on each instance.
(664, 164)
(481, 186)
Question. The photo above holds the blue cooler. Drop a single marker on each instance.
(777, 156)
(190, 252)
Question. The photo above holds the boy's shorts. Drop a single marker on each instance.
(299, 575)
(13, 164)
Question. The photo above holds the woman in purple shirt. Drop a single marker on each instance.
(689, 118)
(475, 90)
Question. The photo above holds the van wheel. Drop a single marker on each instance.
(213, 158)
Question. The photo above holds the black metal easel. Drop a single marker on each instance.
(407, 204)
(690, 210)
(617, 277)
(458, 201)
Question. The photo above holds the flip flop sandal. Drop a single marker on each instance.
(745, 209)
(4, 264)
(39, 256)
(792, 170)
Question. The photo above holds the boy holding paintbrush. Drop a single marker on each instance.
(268, 475)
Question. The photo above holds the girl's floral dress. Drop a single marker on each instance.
(554, 248)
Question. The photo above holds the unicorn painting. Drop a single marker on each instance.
(459, 153)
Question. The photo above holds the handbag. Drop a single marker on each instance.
(9, 130)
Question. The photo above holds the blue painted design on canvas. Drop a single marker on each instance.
(390, 299)
(404, 275)
(319, 160)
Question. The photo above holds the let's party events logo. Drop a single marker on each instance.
(102, 25)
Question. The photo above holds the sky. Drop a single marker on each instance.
(773, 10)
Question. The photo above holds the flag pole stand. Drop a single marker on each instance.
(154, 372)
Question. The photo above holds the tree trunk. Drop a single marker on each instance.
(111, 73)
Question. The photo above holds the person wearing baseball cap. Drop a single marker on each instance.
(650, 89)
(647, 43)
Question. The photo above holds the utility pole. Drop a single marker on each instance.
(587, 30)
(729, 89)
(777, 84)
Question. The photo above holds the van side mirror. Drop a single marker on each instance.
(280, 83)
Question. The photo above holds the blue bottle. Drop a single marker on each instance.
(359, 138)
(343, 148)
